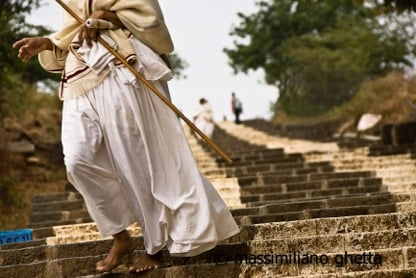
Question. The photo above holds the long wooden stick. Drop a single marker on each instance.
(150, 86)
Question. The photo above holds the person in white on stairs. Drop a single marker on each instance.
(125, 151)
(203, 117)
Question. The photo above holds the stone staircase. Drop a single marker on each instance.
(305, 209)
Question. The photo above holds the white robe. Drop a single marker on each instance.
(203, 119)
(126, 153)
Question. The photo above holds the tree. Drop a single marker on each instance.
(14, 73)
(178, 65)
(316, 52)
(399, 5)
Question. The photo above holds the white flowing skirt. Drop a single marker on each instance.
(126, 153)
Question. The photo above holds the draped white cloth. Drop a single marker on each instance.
(203, 119)
(126, 153)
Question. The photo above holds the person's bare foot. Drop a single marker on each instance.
(147, 262)
(122, 245)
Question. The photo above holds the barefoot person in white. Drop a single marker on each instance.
(203, 117)
(125, 150)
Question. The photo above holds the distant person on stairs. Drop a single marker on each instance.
(125, 150)
(236, 107)
(203, 117)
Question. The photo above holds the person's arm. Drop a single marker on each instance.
(31, 46)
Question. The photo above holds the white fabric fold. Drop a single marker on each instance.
(148, 63)
(127, 154)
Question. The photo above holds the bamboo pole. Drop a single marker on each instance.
(150, 86)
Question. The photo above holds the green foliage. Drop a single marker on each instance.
(387, 95)
(317, 52)
(396, 5)
(17, 79)
(14, 27)
(178, 65)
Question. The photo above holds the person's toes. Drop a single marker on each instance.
(143, 268)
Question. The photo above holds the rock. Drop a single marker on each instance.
(22, 146)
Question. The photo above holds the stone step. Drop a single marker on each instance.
(391, 227)
(239, 170)
(53, 209)
(351, 159)
(213, 173)
(76, 258)
(404, 179)
(58, 216)
(289, 158)
(57, 196)
(401, 188)
(255, 152)
(75, 205)
(284, 172)
(405, 272)
(312, 185)
(261, 208)
(59, 222)
(374, 162)
(310, 194)
(273, 179)
(367, 217)
(318, 213)
(259, 152)
(392, 260)
(278, 205)
(248, 261)
(273, 230)
(385, 150)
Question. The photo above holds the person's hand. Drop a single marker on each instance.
(29, 47)
(91, 34)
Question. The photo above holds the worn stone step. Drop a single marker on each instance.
(400, 187)
(75, 205)
(336, 243)
(317, 213)
(406, 272)
(267, 230)
(213, 172)
(372, 226)
(308, 227)
(402, 179)
(375, 162)
(239, 170)
(310, 194)
(258, 152)
(288, 158)
(392, 260)
(83, 262)
(58, 215)
(73, 260)
(273, 179)
(286, 172)
(35, 242)
(191, 271)
(57, 196)
(236, 270)
(240, 152)
(59, 222)
(360, 155)
(330, 225)
(378, 150)
(312, 185)
(333, 202)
